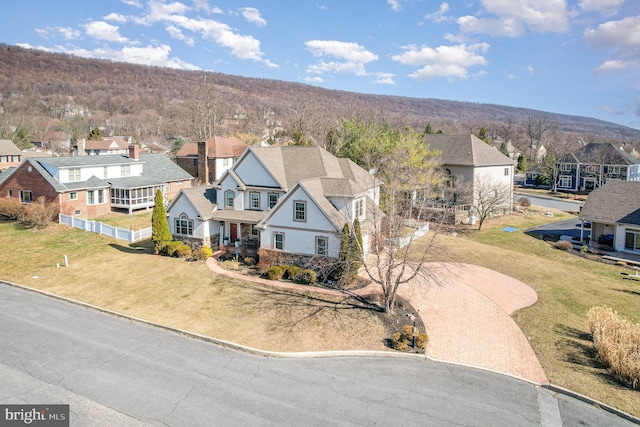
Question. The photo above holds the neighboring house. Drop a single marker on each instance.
(90, 186)
(105, 147)
(614, 212)
(220, 154)
(294, 200)
(595, 164)
(10, 155)
(469, 158)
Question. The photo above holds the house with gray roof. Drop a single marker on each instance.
(91, 186)
(293, 200)
(208, 160)
(466, 158)
(10, 154)
(614, 212)
(594, 165)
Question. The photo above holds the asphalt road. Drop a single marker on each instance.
(567, 227)
(568, 206)
(118, 372)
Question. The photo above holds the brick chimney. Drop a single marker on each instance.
(134, 152)
(203, 162)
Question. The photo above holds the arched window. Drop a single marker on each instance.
(229, 196)
(184, 225)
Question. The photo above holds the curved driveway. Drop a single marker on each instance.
(112, 371)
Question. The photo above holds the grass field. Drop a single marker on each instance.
(128, 279)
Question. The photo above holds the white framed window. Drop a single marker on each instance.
(226, 161)
(254, 201)
(229, 196)
(565, 167)
(300, 211)
(565, 182)
(184, 225)
(321, 245)
(506, 171)
(25, 196)
(590, 169)
(254, 231)
(359, 208)
(95, 197)
(273, 199)
(73, 195)
(278, 240)
(74, 174)
(613, 170)
(125, 170)
(105, 172)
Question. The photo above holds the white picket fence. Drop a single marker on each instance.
(104, 229)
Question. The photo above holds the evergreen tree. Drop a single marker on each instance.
(483, 135)
(350, 257)
(160, 233)
(522, 163)
(428, 130)
(22, 138)
(95, 134)
(504, 150)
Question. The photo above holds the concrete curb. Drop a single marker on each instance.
(541, 196)
(323, 354)
(594, 402)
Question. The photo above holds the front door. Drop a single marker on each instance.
(233, 231)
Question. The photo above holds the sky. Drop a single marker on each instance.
(576, 57)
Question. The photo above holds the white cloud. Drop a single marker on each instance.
(177, 34)
(613, 66)
(439, 15)
(605, 7)
(352, 57)
(149, 55)
(173, 14)
(443, 61)
(314, 79)
(395, 5)
(513, 16)
(134, 3)
(529, 70)
(622, 37)
(115, 17)
(621, 110)
(252, 15)
(385, 79)
(103, 31)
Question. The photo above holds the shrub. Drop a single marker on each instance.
(307, 277)
(621, 263)
(12, 208)
(40, 213)
(292, 271)
(270, 258)
(563, 245)
(203, 253)
(230, 264)
(617, 341)
(524, 202)
(401, 339)
(275, 272)
(177, 249)
(250, 261)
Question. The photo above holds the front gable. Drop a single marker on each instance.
(253, 173)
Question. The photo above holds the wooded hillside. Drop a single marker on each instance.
(56, 97)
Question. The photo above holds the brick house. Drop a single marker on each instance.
(91, 186)
(10, 155)
(220, 154)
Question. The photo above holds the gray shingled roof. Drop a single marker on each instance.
(614, 202)
(596, 153)
(291, 164)
(466, 150)
(7, 147)
(203, 199)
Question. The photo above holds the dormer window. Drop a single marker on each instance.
(74, 174)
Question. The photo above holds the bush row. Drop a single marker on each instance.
(617, 341)
(291, 272)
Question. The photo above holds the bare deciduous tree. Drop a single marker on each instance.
(490, 198)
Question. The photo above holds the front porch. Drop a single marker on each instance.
(247, 247)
